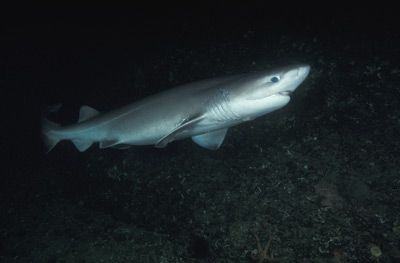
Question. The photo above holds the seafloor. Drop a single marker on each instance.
(319, 179)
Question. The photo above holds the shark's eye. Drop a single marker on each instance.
(275, 79)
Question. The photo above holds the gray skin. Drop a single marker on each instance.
(203, 110)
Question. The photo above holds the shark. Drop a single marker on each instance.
(202, 110)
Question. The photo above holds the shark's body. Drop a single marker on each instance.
(202, 110)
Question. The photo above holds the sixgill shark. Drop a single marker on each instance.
(202, 110)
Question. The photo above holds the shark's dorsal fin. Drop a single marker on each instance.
(173, 134)
(210, 140)
(86, 113)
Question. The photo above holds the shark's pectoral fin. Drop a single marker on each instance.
(86, 113)
(210, 140)
(174, 133)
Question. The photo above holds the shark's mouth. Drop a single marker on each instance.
(285, 93)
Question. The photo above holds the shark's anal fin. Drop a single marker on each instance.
(173, 134)
(210, 140)
(86, 113)
(82, 145)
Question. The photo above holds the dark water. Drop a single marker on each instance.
(319, 178)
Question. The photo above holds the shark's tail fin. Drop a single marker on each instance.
(50, 139)
(53, 133)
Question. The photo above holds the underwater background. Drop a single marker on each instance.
(317, 181)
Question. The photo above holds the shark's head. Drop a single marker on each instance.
(261, 93)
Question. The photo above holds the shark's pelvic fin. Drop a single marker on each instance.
(210, 140)
(122, 146)
(108, 144)
(113, 144)
(173, 134)
(86, 113)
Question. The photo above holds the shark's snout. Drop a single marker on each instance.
(303, 71)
